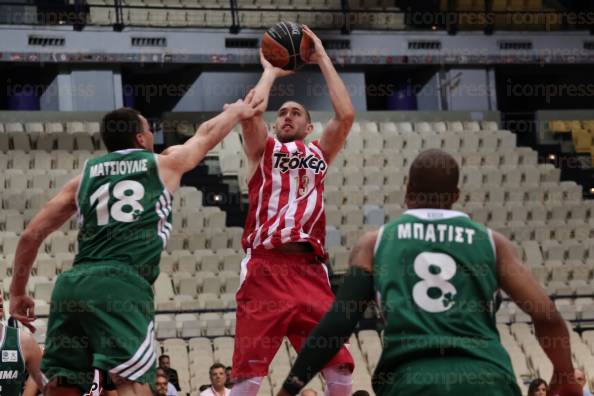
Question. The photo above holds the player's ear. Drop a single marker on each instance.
(455, 196)
(309, 129)
(140, 140)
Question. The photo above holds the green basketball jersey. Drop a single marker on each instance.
(435, 279)
(124, 212)
(12, 364)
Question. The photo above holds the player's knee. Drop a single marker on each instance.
(339, 374)
(339, 380)
(247, 387)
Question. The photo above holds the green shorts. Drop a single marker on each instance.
(448, 376)
(101, 317)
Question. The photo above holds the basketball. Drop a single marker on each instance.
(285, 46)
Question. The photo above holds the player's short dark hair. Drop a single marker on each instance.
(361, 393)
(163, 357)
(307, 114)
(433, 178)
(216, 366)
(119, 128)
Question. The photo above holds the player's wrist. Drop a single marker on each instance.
(270, 73)
(323, 59)
(17, 291)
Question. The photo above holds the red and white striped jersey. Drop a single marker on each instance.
(286, 197)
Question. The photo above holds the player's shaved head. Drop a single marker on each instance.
(433, 181)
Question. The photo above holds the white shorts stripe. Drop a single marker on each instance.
(152, 357)
(140, 352)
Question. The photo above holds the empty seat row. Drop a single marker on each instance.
(201, 260)
(171, 302)
(42, 160)
(50, 141)
(229, 238)
(89, 127)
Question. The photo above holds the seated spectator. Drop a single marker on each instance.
(218, 378)
(165, 364)
(538, 387)
(161, 385)
(581, 379)
(171, 391)
(229, 384)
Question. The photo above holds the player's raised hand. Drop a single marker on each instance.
(22, 308)
(244, 110)
(277, 71)
(258, 98)
(318, 51)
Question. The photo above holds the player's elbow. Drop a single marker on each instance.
(32, 236)
(347, 118)
(547, 315)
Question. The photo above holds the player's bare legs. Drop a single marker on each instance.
(130, 388)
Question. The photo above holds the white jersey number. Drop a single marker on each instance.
(127, 193)
(434, 293)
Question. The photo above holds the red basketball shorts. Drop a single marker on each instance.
(281, 295)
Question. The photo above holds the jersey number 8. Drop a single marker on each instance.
(434, 293)
(121, 192)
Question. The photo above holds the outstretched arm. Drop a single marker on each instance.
(337, 129)
(32, 357)
(340, 321)
(550, 328)
(177, 160)
(53, 214)
(254, 129)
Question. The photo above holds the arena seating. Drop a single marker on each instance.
(581, 132)
(503, 186)
(252, 14)
(320, 14)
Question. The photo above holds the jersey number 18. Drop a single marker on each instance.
(127, 193)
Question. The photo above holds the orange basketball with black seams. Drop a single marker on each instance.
(284, 45)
